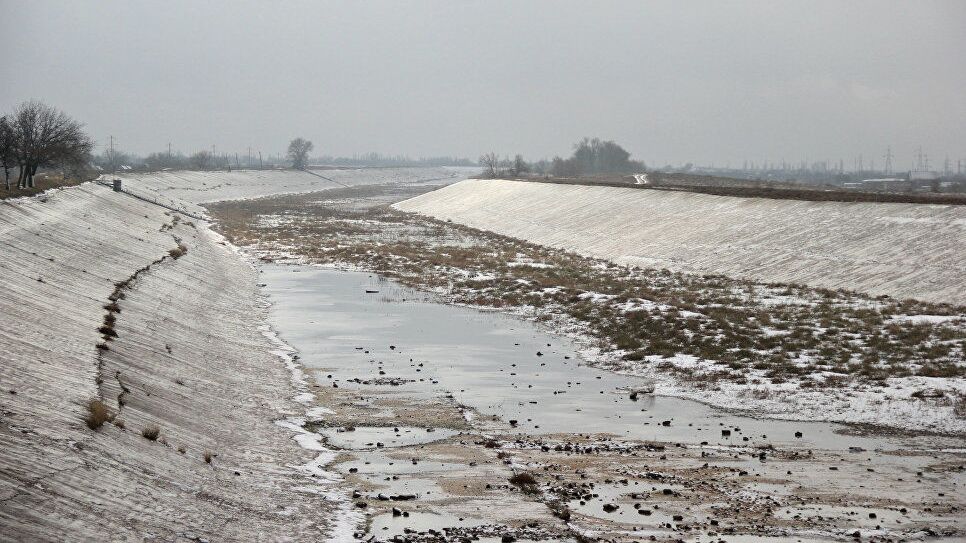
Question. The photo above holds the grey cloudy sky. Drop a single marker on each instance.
(671, 81)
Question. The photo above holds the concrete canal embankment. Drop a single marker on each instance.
(111, 299)
(903, 250)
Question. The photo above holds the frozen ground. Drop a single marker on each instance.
(903, 250)
(183, 353)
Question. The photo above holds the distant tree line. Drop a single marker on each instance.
(166, 160)
(35, 135)
(591, 156)
(398, 161)
(298, 155)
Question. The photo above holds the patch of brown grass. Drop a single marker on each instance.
(178, 251)
(97, 414)
(151, 432)
(523, 480)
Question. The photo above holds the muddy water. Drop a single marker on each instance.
(354, 325)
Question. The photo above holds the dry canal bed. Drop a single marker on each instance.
(436, 408)
(454, 423)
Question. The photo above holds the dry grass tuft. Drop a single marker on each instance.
(151, 432)
(97, 414)
(523, 479)
(178, 251)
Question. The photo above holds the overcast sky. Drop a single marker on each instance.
(671, 81)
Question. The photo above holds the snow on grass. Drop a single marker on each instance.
(767, 240)
(596, 297)
(926, 319)
(516, 264)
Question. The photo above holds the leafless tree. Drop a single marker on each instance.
(298, 152)
(597, 156)
(201, 160)
(164, 159)
(46, 137)
(561, 167)
(491, 165)
(7, 156)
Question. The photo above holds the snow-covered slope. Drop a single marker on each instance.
(189, 358)
(185, 188)
(903, 250)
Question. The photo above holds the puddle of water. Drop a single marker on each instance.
(372, 437)
(756, 539)
(853, 517)
(377, 463)
(498, 365)
(396, 486)
(386, 525)
(610, 495)
(770, 489)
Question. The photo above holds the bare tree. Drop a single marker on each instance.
(7, 156)
(597, 156)
(520, 166)
(165, 159)
(491, 164)
(201, 160)
(298, 152)
(46, 137)
(561, 167)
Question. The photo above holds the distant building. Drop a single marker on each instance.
(922, 175)
(888, 184)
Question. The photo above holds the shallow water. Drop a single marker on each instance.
(370, 437)
(498, 365)
(386, 525)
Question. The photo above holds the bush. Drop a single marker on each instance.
(523, 479)
(151, 432)
(97, 414)
(178, 251)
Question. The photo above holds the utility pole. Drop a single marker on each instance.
(113, 160)
(260, 160)
(888, 160)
